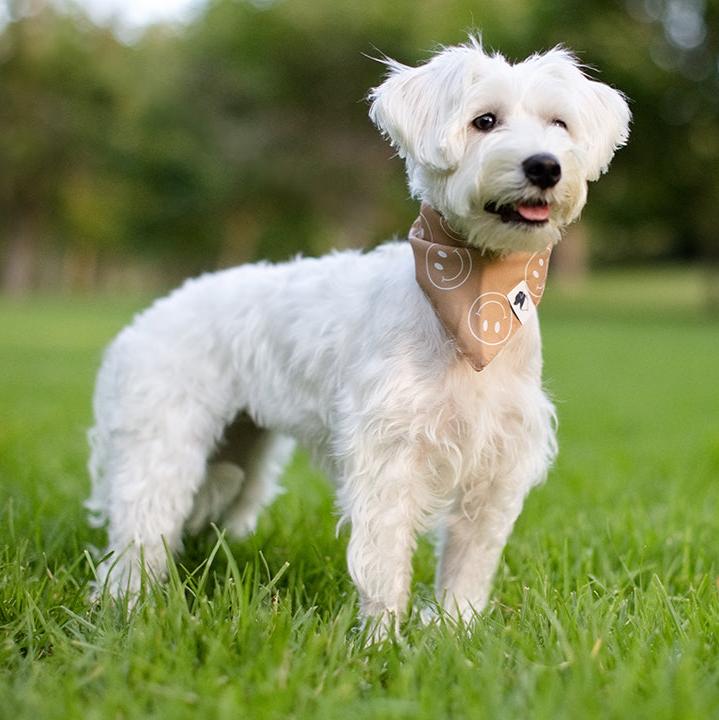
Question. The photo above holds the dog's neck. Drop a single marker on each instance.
(481, 300)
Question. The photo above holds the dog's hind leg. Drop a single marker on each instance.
(242, 478)
(150, 476)
(261, 483)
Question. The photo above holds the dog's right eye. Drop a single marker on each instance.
(485, 122)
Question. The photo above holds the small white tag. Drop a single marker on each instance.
(520, 300)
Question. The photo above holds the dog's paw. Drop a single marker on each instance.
(241, 523)
(378, 628)
(429, 615)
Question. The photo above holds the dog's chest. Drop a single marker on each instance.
(477, 418)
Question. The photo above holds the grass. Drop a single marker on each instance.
(606, 603)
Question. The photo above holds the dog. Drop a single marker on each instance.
(199, 402)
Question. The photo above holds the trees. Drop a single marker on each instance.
(245, 133)
(57, 102)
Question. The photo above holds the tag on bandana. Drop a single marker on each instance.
(520, 301)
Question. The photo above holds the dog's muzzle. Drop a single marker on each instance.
(543, 171)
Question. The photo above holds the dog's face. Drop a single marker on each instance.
(503, 151)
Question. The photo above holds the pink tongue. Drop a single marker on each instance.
(534, 213)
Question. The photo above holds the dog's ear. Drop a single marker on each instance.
(606, 116)
(421, 110)
(603, 111)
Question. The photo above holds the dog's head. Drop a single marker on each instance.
(503, 151)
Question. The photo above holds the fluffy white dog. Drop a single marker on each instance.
(199, 401)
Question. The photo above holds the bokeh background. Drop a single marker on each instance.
(144, 142)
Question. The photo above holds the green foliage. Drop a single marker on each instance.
(245, 134)
(605, 605)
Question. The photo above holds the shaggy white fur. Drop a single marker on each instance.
(196, 400)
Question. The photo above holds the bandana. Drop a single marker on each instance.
(482, 301)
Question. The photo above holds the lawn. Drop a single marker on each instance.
(606, 603)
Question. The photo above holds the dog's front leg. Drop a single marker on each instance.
(385, 516)
(472, 542)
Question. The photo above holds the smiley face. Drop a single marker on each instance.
(535, 272)
(447, 268)
(449, 232)
(490, 319)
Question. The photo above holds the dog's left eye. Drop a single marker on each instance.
(559, 123)
(485, 122)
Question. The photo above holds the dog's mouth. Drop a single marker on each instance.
(524, 212)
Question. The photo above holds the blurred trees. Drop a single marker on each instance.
(56, 101)
(244, 134)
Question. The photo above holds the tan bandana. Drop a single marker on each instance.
(482, 301)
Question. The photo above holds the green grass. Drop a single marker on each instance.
(605, 605)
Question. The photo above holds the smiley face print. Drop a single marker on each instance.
(449, 232)
(490, 319)
(447, 268)
(535, 272)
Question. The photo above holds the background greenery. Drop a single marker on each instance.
(244, 132)
(606, 603)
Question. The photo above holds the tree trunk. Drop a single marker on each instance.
(240, 239)
(20, 258)
(80, 269)
(570, 259)
(712, 287)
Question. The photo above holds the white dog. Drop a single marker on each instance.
(199, 401)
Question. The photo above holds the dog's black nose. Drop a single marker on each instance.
(542, 170)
